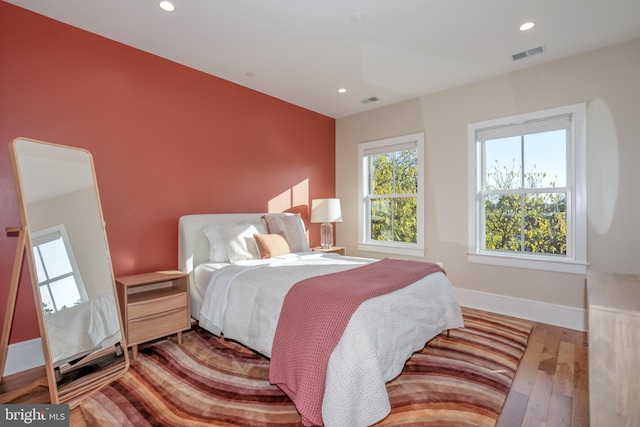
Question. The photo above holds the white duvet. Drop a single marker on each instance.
(244, 300)
(83, 328)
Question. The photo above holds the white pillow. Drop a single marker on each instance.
(217, 249)
(293, 228)
(239, 240)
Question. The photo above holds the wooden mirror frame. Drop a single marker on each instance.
(79, 388)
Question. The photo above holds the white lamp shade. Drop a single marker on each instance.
(326, 210)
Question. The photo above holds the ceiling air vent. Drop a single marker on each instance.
(527, 53)
(369, 100)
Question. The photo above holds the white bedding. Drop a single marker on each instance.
(83, 328)
(244, 300)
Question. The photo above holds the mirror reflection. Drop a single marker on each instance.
(70, 264)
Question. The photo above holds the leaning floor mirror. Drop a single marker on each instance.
(70, 268)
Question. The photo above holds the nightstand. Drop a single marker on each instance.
(154, 305)
(340, 250)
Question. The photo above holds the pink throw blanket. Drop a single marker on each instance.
(315, 314)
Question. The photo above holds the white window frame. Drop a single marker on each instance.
(48, 234)
(364, 221)
(576, 259)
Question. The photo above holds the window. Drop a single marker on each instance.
(527, 190)
(59, 279)
(391, 209)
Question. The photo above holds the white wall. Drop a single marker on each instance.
(608, 80)
(80, 213)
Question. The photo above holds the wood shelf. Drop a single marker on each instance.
(340, 250)
(156, 294)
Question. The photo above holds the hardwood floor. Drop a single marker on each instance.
(551, 385)
(550, 388)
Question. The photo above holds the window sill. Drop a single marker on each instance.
(559, 266)
(394, 250)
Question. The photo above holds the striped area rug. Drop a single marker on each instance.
(458, 381)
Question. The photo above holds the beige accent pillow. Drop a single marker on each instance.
(292, 227)
(272, 245)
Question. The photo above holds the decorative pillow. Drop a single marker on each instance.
(271, 245)
(217, 249)
(239, 241)
(292, 227)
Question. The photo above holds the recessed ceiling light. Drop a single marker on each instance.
(167, 6)
(527, 26)
(342, 90)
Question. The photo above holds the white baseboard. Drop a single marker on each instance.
(24, 355)
(28, 354)
(543, 312)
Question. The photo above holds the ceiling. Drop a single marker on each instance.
(303, 51)
(48, 171)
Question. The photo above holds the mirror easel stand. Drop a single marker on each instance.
(21, 232)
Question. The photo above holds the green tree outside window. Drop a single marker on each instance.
(394, 203)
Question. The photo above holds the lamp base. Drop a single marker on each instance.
(326, 235)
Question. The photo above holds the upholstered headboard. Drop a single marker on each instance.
(193, 246)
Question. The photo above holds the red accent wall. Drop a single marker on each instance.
(167, 140)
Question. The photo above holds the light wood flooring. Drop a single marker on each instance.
(550, 388)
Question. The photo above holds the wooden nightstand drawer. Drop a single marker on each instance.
(152, 306)
(158, 325)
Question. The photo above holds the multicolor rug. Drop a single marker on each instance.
(462, 380)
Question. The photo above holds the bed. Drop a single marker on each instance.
(241, 299)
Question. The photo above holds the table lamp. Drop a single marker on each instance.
(326, 211)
